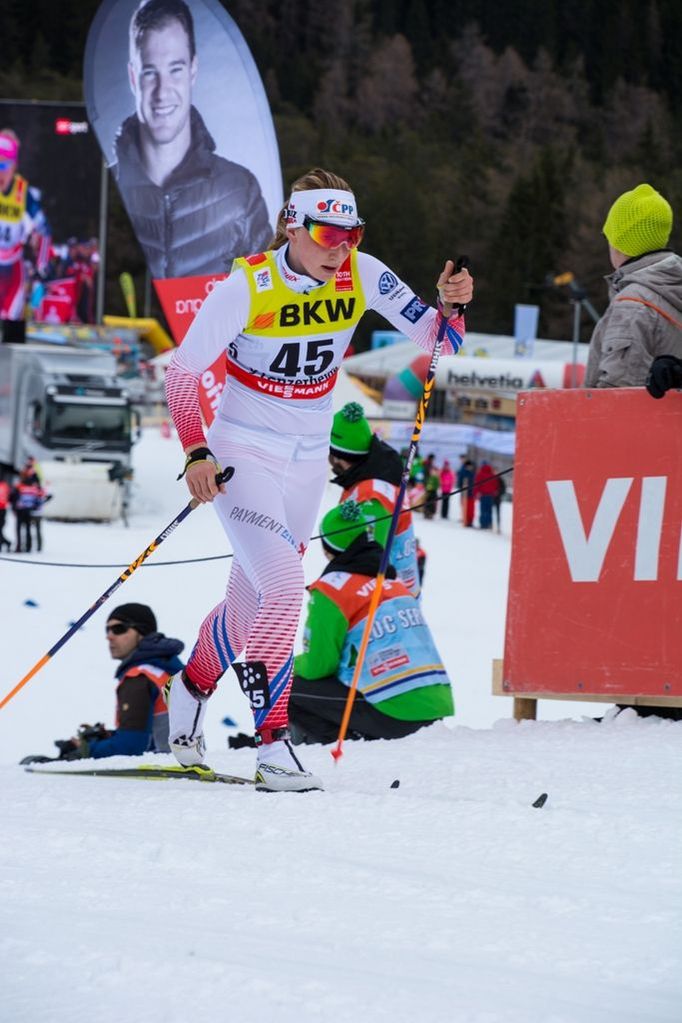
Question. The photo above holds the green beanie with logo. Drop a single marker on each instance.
(351, 435)
(639, 221)
(342, 525)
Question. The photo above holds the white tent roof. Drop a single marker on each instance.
(385, 362)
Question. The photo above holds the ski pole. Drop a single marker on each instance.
(429, 382)
(222, 477)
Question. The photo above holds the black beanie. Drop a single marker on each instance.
(139, 616)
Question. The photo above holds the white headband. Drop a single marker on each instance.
(326, 205)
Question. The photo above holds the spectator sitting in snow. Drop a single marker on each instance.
(369, 471)
(403, 684)
(148, 659)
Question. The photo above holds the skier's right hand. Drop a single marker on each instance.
(201, 481)
(201, 474)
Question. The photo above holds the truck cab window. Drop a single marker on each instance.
(85, 424)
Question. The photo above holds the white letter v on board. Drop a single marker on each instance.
(585, 553)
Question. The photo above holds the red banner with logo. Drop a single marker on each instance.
(181, 298)
(58, 304)
(595, 590)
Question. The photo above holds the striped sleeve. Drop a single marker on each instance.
(220, 320)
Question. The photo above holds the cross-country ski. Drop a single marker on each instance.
(147, 772)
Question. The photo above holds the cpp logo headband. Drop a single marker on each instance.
(325, 205)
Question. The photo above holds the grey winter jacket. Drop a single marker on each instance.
(207, 212)
(643, 320)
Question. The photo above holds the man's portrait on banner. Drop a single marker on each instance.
(182, 118)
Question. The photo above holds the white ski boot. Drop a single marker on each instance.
(278, 769)
(186, 709)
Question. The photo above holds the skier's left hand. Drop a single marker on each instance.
(455, 288)
(201, 475)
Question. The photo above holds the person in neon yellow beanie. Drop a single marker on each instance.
(644, 316)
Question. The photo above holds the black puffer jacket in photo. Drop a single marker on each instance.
(208, 211)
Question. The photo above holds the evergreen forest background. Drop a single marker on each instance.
(503, 131)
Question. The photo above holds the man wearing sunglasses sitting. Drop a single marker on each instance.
(148, 659)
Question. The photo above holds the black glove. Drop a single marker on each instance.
(68, 749)
(78, 748)
(96, 731)
(664, 374)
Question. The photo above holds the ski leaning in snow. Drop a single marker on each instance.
(149, 772)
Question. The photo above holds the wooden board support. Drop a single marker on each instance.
(525, 704)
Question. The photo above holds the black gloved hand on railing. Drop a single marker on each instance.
(665, 374)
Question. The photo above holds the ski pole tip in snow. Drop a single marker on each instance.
(540, 801)
(337, 753)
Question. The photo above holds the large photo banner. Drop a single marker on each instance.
(596, 567)
(182, 118)
(50, 172)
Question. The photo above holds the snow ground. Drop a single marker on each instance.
(449, 898)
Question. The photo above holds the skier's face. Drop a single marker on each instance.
(307, 257)
(121, 644)
(162, 73)
(7, 171)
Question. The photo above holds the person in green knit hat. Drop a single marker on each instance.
(643, 321)
(369, 471)
(403, 684)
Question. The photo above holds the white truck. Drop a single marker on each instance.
(65, 407)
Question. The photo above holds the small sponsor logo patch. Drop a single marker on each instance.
(414, 310)
(398, 293)
(263, 280)
(344, 278)
(335, 208)
(387, 282)
(262, 321)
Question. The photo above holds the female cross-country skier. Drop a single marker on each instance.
(284, 319)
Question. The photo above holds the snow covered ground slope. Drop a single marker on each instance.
(448, 898)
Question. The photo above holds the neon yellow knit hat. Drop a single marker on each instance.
(639, 221)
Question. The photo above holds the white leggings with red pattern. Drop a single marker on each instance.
(268, 513)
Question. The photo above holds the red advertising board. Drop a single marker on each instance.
(181, 298)
(595, 591)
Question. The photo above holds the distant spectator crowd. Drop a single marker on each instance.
(65, 291)
(25, 496)
(476, 487)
